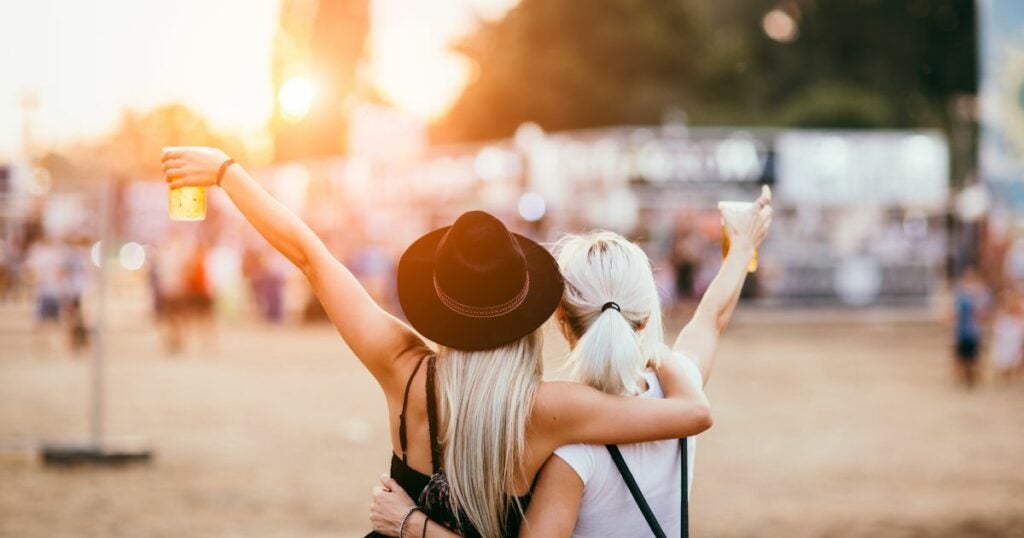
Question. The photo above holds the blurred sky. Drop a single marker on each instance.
(88, 60)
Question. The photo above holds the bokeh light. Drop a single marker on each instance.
(96, 253)
(780, 26)
(532, 207)
(296, 98)
(528, 134)
(132, 256)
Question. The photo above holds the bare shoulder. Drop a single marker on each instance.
(552, 395)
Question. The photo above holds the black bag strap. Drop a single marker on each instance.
(634, 489)
(641, 502)
(684, 529)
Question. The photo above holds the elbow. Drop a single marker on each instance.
(702, 419)
(721, 322)
(305, 266)
(707, 421)
(301, 258)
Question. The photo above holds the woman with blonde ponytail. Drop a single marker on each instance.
(611, 316)
(471, 423)
(611, 302)
(610, 312)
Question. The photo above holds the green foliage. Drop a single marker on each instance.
(854, 63)
(831, 105)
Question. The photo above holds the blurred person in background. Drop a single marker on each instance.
(168, 277)
(480, 419)
(6, 270)
(266, 281)
(76, 254)
(971, 300)
(198, 311)
(1008, 335)
(45, 264)
(610, 314)
(372, 264)
(686, 255)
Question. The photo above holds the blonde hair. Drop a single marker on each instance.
(612, 347)
(486, 401)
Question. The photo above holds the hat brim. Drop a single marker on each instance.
(436, 322)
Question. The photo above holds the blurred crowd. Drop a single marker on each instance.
(193, 277)
(55, 273)
(186, 278)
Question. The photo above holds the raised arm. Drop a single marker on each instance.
(699, 338)
(375, 336)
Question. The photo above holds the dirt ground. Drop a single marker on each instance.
(821, 430)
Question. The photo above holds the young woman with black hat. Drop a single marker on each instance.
(481, 293)
(611, 315)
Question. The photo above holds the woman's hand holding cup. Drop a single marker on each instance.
(745, 224)
(192, 166)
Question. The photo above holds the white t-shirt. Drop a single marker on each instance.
(607, 508)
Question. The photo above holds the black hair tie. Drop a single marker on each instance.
(611, 304)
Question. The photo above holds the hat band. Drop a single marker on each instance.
(483, 311)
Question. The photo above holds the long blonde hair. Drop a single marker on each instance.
(613, 345)
(486, 401)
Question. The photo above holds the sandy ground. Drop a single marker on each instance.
(820, 430)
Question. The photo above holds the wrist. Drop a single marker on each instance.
(417, 522)
(407, 520)
(741, 247)
(226, 164)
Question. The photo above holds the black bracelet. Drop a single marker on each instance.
(426, 521)
(223, 168)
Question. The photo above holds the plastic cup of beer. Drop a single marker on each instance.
(186, 203)
(736, 210)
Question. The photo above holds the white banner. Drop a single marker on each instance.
(843, 168)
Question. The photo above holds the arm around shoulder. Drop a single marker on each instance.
(570, 413)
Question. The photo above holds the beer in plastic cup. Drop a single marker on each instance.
(186, 203)
(741, 210)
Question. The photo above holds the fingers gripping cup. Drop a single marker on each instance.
(735, 212)
(186, 203)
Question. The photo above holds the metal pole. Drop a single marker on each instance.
(99, 448)
(99, 344)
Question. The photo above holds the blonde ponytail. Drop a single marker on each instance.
(612, 344)
(608, 355)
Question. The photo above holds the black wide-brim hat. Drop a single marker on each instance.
(475, 285)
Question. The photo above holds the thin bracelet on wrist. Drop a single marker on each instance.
(223, 168)
(405, 518)
(426, 521)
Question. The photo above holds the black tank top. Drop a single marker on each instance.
(431, 492)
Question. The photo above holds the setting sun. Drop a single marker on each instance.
(296, 98)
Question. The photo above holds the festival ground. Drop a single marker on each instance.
(821, 429)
